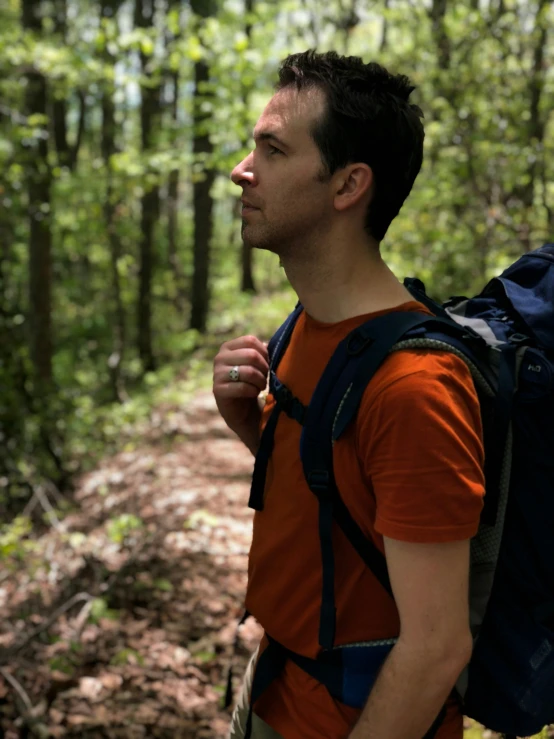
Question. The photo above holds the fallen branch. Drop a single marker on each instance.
(78, 598)
(82, 619)
(26, 708)
(47, 507)
(18, 689)
(82, 597)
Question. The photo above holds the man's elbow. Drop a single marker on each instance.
(454, 654)
(446, 654)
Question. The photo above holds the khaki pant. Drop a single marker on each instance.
(260, 730)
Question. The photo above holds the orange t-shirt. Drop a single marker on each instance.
(409, 468)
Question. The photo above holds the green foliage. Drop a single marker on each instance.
(485, 194)
(120, 529)
(100, 610)
(127, 657)
(164, 585)
(201, 519)
(13, 539)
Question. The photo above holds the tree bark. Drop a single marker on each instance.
(173, 188)
(536, 126)
(115, 361)
(385, 30)
(40, 235)
(247, 281)
(67, 153)
(437, 13)
(150, 201)
(202, 198)
(59, 105)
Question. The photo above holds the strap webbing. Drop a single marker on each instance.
(257, 489)
(276, 349)
(365, 547)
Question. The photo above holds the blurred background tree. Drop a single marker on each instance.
(120, 250)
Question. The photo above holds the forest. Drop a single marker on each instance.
(124, 531)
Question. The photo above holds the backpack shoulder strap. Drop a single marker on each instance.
(276, 348)
(358, 355)
(385, 337)
(280, 339)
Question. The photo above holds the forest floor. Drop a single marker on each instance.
(119, 619)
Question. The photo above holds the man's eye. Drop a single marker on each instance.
(274, 150)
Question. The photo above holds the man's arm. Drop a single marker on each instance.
(430, 583)
(249, 434)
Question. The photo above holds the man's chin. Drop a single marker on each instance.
(259, 245)
(252, 243)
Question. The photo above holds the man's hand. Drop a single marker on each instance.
(238, 401)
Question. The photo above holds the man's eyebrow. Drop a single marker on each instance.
(270, 136)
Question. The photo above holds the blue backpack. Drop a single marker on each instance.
(506, 337)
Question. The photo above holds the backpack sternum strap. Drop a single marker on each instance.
(288, 402)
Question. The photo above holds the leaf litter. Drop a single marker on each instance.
(150, 566)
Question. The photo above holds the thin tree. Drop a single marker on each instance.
(150, 200)
(202, 197)
(67, 153)
(39, 181)
(536, 125)
(39, 178)
(108, 10)
(247, 282)
(173, 180)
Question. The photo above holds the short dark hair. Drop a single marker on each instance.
(368, 119)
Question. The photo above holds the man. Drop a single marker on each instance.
(337, 150)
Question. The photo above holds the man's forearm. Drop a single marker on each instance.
(409, 693)
(249, 434)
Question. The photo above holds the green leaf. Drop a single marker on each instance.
(164, 585)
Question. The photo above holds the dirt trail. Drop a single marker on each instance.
(149, 657)
(159, 537)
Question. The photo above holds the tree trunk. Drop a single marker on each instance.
(385, 30)
(173, 189)
(437, 14)
(115, 361)
(148, 219)
(40, 236)
(59, 105)
(247, 282)
(202, 198)
(149, 112)
(172, 238)
(536, 126)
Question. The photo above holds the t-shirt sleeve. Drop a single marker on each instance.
(419, 437)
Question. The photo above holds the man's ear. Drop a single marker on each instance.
(355, 183)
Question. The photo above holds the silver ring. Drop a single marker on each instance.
(234, 374)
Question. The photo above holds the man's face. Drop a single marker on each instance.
(286, 200)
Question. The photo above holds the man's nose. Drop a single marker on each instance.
(243, 172)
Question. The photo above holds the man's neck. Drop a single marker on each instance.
(341, 286)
